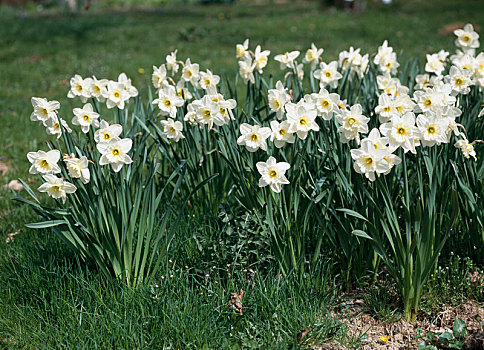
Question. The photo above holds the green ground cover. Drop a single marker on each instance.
(48, 299)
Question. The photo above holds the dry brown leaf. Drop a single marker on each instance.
(303, 333)
(235, 302)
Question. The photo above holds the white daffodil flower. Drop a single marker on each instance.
(78, 168)
(190, 73)
(85, 117)
(278, 98)
(386, 59)
(460, 80)
(273, 174)
(208, 80)
(328, 74)
(80, 88)
(44, 162)
(433, 129)
(261, 58)
(56, 187)
(168, 101)
(281, 134)
(286, 60)
(52, 127)
(466, 148)
(325, 103)
(312, 56)
(172, 63)
(115, 152)
(378, 141)
(401, 131)
(159, 76)
(116, 95)
(253, 137)
(43, 109)
(422, 81)
(402, 104)
(242, 50)
(128, 87)
(246, 69)
(107, 132)
(369, 160)
(385, 109)
(225, 110)
(302, 118)
(208, 112)
(353, 122)
(172, 129)
(98, 89)
(467, 38)
(434, 64)
(182, 91)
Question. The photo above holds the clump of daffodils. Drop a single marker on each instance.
(76, 167)
(404, 119)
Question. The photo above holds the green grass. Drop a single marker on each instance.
(48, 299)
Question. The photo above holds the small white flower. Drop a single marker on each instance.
(353, 122)
(281, 134)
(273, 174)
(242, 50)
(115, 152)
(53, 127)
(208, 80)
(98, 89)
(159, 76)
(56, 187)
(302, 118)
(44, 162)
(434, 64)
(261, 58)
(369, 160)
(172, 129)
(432, 129)
(328, 74)
(168, 101)
(43, 109)
(85, 117)
(278, 98)
(246, 69)
(190, 73)
(128, 87)
(253, 137)
(78, 168)
(401, 131)
(171, 62)
(116, 95)
(460, 80)
(312, 56)
(286, 60)
(466, 148)
(80, 88)
(107, 132)
(467, 38)
(326, 103)
(208, 112)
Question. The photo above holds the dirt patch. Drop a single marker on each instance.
(377, 335)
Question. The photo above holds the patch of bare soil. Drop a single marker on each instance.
(404, 335)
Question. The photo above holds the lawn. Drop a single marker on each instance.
(50, 299)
